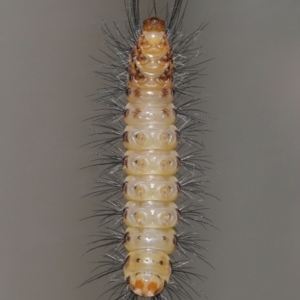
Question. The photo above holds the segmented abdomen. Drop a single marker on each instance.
(150, 162)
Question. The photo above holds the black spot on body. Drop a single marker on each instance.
(126, 238)
(175, 239)
(125, 162)
(125, 213)
(126, 113)
(125, 137)
(178, 161)
(124, 187)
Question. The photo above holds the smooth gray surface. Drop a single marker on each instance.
(254, 86)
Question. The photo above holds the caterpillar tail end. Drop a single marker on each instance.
(146, 284)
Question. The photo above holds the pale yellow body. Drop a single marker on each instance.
(147, 137)
(150, 162)
(151, 187)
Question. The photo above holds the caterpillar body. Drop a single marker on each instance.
(162, 163)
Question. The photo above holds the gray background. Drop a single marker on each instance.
(254, 85)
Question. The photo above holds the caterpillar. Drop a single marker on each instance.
(146, 132)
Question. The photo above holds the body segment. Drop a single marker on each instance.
(150, 162)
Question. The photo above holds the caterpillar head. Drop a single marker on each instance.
(154, 30)
(146, 284)
(154, 24)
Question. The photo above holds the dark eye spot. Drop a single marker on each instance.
(161, 262)
(164, 238)
(138, 260)
(128, 91)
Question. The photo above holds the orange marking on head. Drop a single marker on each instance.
(152, 287)
(154, 24)
(139, 284)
